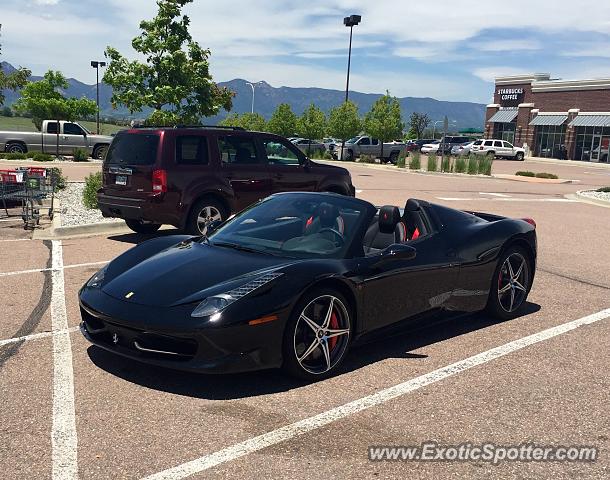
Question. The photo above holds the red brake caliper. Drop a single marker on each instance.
(334, 324)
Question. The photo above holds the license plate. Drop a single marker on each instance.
(121, 180)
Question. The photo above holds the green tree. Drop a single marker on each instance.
(247, 121)
(283, 121)
(311, 125)
(384, 121)
(12, 81)
(344, 121)
(44, 100)
(418, 122)
(174, 80)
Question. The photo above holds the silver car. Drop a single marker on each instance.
(309, 146)
(462, 150)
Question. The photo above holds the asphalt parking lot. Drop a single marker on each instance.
(70, 409)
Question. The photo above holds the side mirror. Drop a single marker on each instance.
(398, 251)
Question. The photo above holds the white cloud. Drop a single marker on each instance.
(46, 2)
(507, 45)
(488, 74)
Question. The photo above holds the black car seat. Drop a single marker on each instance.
(325, 215)
(388, 230)
(242, 155)
(413, 221)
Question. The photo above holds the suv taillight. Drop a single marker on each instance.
(159, 181)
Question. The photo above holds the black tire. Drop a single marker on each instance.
(519, 157)
(511, 303)
(349, 155)
(393, 158)
(15, 147)
(491, 154)
(300, 337)
(139, 227)
(215, 211)
(99, 152)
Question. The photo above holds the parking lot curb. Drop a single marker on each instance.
(538, 181)
(584, 199)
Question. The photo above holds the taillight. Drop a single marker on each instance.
(159, 181)
(530, 221)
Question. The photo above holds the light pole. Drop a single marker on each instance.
(350, 22)
(95, 64)
(434, 128)
(252, 85)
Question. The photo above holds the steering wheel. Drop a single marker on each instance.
(337, 233)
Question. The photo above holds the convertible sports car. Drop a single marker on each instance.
(297, 278)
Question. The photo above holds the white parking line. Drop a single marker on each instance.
(495, 194)
(511, 199)
(63, 430)
(16, 240)
(312, 423)
(38, 270)
(36, 336)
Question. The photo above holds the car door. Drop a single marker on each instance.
(287, 166)
(509, 150)
(244, 167)
(395, 290)
(73, 137)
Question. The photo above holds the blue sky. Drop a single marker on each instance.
(445, 49)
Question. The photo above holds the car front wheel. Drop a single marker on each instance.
(519, 157)
(510, 284)
(203, 213)
(317, 335)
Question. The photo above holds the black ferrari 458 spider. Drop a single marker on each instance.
(297, 278)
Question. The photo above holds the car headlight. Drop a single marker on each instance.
(96, 280)
(215, 304)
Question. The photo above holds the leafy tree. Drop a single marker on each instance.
(418, 122)
(12, 81)
(384, 121)
(174, 80)
(44, 100)
(248, 121)
(283, 121)
(311, 125)
(344, 122)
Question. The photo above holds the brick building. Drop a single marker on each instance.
(567, 119)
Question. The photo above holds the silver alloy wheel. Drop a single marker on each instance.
(206, 216)
(16, 148)
(513, 280)
(321, 334)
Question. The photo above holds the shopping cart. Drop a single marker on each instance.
(32, 188)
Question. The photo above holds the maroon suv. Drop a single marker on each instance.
(189, 177)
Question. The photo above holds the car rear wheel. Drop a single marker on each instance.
(510, 284)
(393, 157)
(16, 148)
(99, 152)
(491, 154)
(139, 226)
(317, 335)
(203, 213)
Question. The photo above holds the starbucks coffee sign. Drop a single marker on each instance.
(510, 96)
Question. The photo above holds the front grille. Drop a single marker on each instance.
(138, 342)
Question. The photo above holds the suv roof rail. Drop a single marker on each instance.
(222, 127)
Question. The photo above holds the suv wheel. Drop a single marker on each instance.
(203, 213)
(519, 157)
(491, 154)
(139, 226)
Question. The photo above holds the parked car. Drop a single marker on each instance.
(450, 141)
(415, 145)
(299, 278)
(365, 145)
(331, 143)
(462, 149)
(309, 147)
(72, 135)
(430, 147)
(189, 177)
(498, 148)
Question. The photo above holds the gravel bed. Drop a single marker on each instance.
(605, 196)
(73, 212)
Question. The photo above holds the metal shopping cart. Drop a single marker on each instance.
(32, 188)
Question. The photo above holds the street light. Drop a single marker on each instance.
(434, 129)
(350, 22)
(252, 86)
(95, 64)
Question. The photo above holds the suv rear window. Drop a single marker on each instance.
(133, 149)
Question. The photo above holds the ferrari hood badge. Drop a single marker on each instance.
(129, 295)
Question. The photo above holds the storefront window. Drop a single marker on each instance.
(550, 141)
(592, 144)
(505, 131)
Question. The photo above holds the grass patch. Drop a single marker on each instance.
(58, 177)
(15, 156)
(80, 155)
(485, 164)
(415, 163)
(93, 183)
(367, 158)
(603, 190)
(473, 165)
(446, 164)
(460, 165)
(42, 157)
(22, 124)
(527, 173)
(432, 162)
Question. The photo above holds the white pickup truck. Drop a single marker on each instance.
(72, 135)
(364, 145)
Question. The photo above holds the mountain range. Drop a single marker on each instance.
(267, 98)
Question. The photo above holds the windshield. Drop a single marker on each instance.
(297, 225)
(352, 140)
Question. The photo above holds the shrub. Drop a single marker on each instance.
(42, 157)
(446, 164)
(2, 155)
(367, 158)
(15, 156)
(80, 155)
(603, 190)
(327, 155)
(526, 173)
(485, 165)
(401, 162)
(473, 165)
(432, 162)
(93, 183)
(415, 163)
(58, 176)
(547, 175)
(460, 165)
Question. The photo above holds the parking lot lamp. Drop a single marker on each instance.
(350, 22)
(95, 64)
